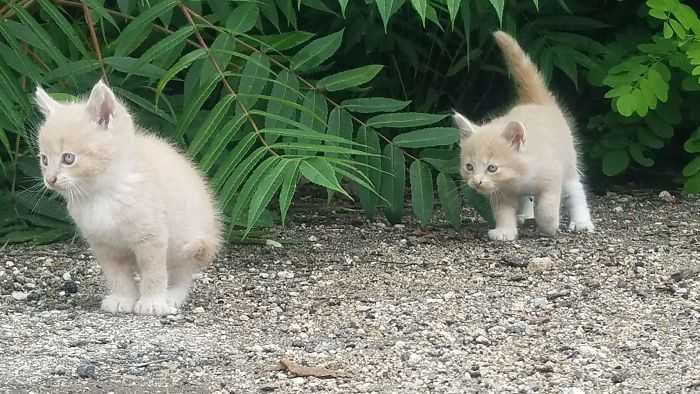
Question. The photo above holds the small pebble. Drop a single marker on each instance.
(19, 295)
(86, 370)
(67, 276)
(666, 196)
(617, 209)
(313, 238)
(70, 287)
(198, 309)
(540, 264)
(298, 381)
(285, 275)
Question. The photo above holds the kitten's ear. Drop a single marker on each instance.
(102, 105)
(465, 126)
(47, 105)
(515, 134)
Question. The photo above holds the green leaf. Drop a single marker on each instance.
(245, 195)
(284, 41)
(421, 191)
(169, 43)
(637, 153)
(339, 125)
(265, 188)
(423, 138)
(287, 8)
(615, 162)
(232, 160)
(537, 4)
(371, 105)
(692, 145)
(498, 5)
(453, 9)
(316, 52)
(311, 135)
(243, 18)
(193, 106)
(291, 179)
(692, 168)
(253, 79)
(320, 172)
(393, 182)
(210, 126)
(649, 139)
(659, 126)
(626, 105)
(692, 184)
(137, 30)
(181, 64)
(42, 35)
(420, 7)
(404, 119)
(343, 6)
(313, 149)
(221, 139)
(130, 65)
(102, 13)
(450, 199)
(349, 79)
(79, 67)
(286, 90)
(480, 204)
(658, 85)
(386, 10)
(63, 24)
(220, 52)
(315, 117)
(368, 199)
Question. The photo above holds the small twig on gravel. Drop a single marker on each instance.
(147, 363)
(300, 370)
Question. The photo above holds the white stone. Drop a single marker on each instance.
(540, 264)
(313, 238)
(198, 309)
(67, 276)
(298, 381)
(19, 295)
(273, 243)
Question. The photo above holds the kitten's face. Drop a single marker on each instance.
(488, 164)
(77, 141)
(490, 155)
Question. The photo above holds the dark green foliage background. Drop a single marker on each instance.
(350, 95)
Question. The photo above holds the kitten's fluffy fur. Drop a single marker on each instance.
(141, 205)
(529, 151)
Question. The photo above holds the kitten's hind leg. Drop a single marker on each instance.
(547, 206)
(151, 261)
(576, 204)
(118, 272)
(504, 211)
(526, 209)
(179, 283)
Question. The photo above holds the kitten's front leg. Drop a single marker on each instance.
(151, 260)
(547, 207)
(504, 209)
(526, 209)
(119, 275)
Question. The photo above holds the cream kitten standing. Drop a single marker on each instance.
(140, 204)
(529, 151)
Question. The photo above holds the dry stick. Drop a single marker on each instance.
(308, 84)
(10, 11)
(95, 42)
(186, 11)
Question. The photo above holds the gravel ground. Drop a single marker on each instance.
(397, 308)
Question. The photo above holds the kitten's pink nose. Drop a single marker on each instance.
(51, 180)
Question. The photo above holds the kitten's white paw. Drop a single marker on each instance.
(498, 234)
(118, 304)
(154, 306)
(177, 296)
(581, 226)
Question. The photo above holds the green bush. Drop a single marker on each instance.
(350, 96)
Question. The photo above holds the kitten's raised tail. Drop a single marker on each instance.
(530, 84)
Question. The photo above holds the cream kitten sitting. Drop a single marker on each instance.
(140, 204)
(529, 151)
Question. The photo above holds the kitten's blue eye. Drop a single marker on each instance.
(470, 167)
(68, 158)
(492, 168)
(44, 160)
